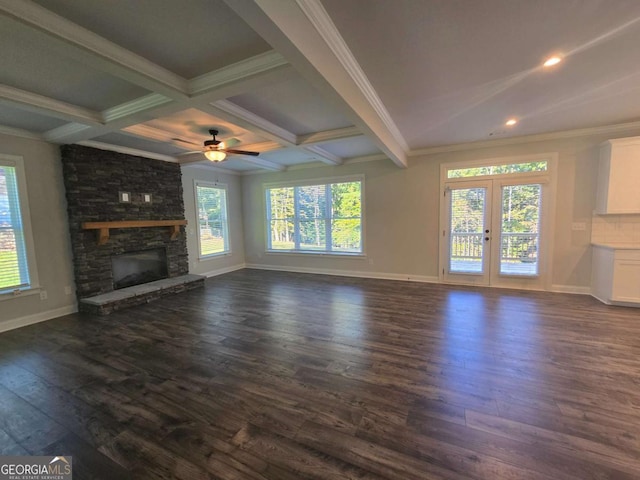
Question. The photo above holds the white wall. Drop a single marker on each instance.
(47, 203)
(402, 213)
(223, 263)
(397, 200)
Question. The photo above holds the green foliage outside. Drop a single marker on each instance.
(498, 169)
(333, 210)
(9, 267)
(212, 219)
(520, 218)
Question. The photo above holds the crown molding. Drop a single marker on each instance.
(320, 19)
(238, 71)
(117, 60)
(210, 166)
(49, 106)
(250, 120)
(540, 137)
(128, 151)
(19, 132)
(57, 135)
(138, 105)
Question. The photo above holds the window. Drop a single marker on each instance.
(213, 230)
(323, 218)
(498, 169)
(14, 258)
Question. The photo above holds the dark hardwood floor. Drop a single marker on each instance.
(269, 375)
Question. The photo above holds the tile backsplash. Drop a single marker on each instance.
(615, 229)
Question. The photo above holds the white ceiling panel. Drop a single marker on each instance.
(33, 122)
(194, 125)
(35, 62)
(458, 69)
(189, 37)
(293, 105)
(290, 156)
(351, 147)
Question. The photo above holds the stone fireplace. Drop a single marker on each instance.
(105, 186)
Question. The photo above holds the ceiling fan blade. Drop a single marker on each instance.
(240, 152)
(189, 153)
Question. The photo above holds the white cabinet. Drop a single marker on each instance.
(616, 275)
(619, 176)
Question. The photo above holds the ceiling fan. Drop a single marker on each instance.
(216, 151)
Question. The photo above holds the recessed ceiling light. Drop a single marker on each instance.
(511, 122)
(551, 61)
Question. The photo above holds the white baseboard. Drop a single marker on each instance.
(36, 318)
(571, 289)
(347, 273)
(220, 271)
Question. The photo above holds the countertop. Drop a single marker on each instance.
(618, 246)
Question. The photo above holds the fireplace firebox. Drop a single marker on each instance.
(135, 268)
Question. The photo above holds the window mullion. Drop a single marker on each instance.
(296, 218)
(327, 217)
(269, 218)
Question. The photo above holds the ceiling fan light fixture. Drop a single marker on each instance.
(215, 155)
(551, 61)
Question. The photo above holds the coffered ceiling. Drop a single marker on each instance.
(308, 81)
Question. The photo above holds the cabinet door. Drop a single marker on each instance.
(626, 279)
(618, 175)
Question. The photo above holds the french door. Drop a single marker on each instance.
(491, 234)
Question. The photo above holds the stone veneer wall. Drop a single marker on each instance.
(93, 179)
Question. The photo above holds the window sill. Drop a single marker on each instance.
(318, 254)
(25, 292)
(212, 256)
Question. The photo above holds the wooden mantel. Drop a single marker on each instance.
(104, 227)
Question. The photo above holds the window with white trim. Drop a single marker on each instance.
(14, 256)
(213, 229)
(322, 218)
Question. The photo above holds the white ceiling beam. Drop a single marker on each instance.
(256, 65)
(134, 107)
(58, 135)
(305, 34)
(48, 106)
(129, 151)
(19, 132)
(244, 118)
(325, 157)
(262, 163)
(328, 136)
(104, 54)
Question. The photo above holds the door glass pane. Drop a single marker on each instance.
(520, 230)
(467, 225)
